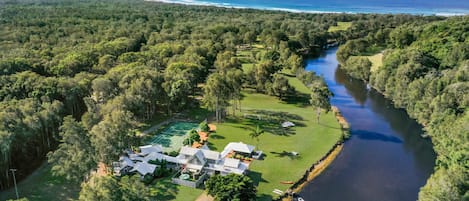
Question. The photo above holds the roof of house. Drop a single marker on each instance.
(125, 161)
(231, 162)
(144, 168)
(239, 147)
(188, 151)
(212, 155)
(147, 149)
(205, 147)
(200, 156)
(194, 166)
(154, 156)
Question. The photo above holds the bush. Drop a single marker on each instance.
(147, 179)
(203, 126)
(173, 153)
(231, 187)
(193, 137)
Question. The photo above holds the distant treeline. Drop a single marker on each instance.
(78, 76)
(425, 69)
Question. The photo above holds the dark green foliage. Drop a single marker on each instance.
(280, 87)
(147, 179)
(427, 74)
(72, 158)
(193, 137)
(162, 169)
(112, 135)
(358, 67)
(108, 188)
(203, 126)
(320, 93)
(231, 187)
(401, 36)
(111, 63)
(351, 48)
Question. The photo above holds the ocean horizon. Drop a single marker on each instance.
(417, 7)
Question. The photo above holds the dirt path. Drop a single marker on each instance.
(204, 197)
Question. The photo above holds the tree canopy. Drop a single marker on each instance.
(231, 187)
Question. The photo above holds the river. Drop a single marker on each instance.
(385, 159)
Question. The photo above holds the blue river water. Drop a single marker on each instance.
(421, 7)
(385, 159)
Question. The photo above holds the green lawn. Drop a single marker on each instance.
(310, 139)
(341, 26)
(42, 186)
(164, 189)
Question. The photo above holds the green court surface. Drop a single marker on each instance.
(171, 138)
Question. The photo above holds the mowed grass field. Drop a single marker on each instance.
(163, 189)
(310, 139)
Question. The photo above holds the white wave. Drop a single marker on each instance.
(230, 5)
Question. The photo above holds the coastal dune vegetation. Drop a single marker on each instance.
(80, 79)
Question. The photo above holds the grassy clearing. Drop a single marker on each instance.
(42, 186)
(376, 60)
(310, 139)
(341, 26)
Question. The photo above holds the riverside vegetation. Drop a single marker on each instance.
(424, 68)
(78, 78)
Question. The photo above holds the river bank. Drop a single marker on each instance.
(385, 157)
(317, 168)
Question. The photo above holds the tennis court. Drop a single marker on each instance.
(171, 138)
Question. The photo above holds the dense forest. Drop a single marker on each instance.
(425, 69)
(78, 77)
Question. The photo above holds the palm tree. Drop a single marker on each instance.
(256, 133)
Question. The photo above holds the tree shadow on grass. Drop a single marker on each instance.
(271, 121)
(276, 115)
(284, 154)
(216, 136)
(164, 189)
(211, 146)
(256, 177)
(299, 100)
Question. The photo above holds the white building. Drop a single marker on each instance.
(191, 159)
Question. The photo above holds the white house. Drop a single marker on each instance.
(238, 147)
(203, 161)
(144, 168)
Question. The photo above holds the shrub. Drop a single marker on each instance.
(231, 187)
(147, 179)
(203, 126)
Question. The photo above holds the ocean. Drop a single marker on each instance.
(419, 7)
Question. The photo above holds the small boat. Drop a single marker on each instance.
(286, 182)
